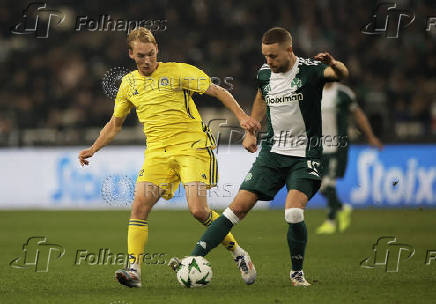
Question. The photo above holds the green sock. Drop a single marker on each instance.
(333, 202)
(297, 239)
(213, 236)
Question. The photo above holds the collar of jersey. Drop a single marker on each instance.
(152, 74)
(289, 74)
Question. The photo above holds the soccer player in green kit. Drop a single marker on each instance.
(337, 105)
(289, 94)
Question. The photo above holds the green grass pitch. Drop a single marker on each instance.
(332, 262)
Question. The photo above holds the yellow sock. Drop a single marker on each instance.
(137, 237)
(229, 241)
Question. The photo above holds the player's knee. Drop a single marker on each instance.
(294, 215)
(239, 210)
(200, 213)
(243, 203)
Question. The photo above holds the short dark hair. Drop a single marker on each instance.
(277, 35)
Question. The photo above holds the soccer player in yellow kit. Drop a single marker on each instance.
(179, 144)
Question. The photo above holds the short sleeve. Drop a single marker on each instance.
(320, 67)
(349, 96)
(122, 104)
(262, 78)
(193, 79)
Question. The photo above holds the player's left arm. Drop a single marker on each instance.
(245, 121)
(336, 70)
(365, 126)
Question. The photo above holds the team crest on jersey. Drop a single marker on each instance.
(248, 177)
(164, 81)
(296, 84)
(266, 89)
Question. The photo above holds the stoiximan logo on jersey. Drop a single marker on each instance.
(284, 98)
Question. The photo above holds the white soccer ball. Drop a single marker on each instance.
(194, 271)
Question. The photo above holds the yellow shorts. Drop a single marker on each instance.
(166, 168)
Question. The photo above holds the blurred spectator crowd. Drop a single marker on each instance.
(51, 91)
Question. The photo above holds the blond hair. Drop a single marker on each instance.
(140, 34)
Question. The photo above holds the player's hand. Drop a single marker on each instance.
(84, 154)
(375, 142)
(250, 142)
(249, 123)
(325, 58)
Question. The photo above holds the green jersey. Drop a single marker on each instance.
(293, 101)
(337, 103)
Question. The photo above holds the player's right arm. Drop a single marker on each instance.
(113, 127)
(336, 70)
(107, 134)
(365, 126)
(258, 113)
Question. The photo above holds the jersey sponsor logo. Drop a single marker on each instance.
(283, 99)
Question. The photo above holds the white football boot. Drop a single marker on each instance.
(297, 278)
(246, 266)
(128, 277)
(174, 264)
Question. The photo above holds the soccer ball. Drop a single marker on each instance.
(194, 271)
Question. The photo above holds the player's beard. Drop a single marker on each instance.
(284, 68)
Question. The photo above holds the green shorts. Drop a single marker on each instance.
(271, 171)
(334, 164)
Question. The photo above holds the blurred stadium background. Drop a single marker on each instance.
(51, 91)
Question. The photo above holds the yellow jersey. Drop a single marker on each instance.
(164, 104)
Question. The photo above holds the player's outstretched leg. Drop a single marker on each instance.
(215, 234)
(196, 195)
(219, 230)
(146, 195)
(240, 256)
